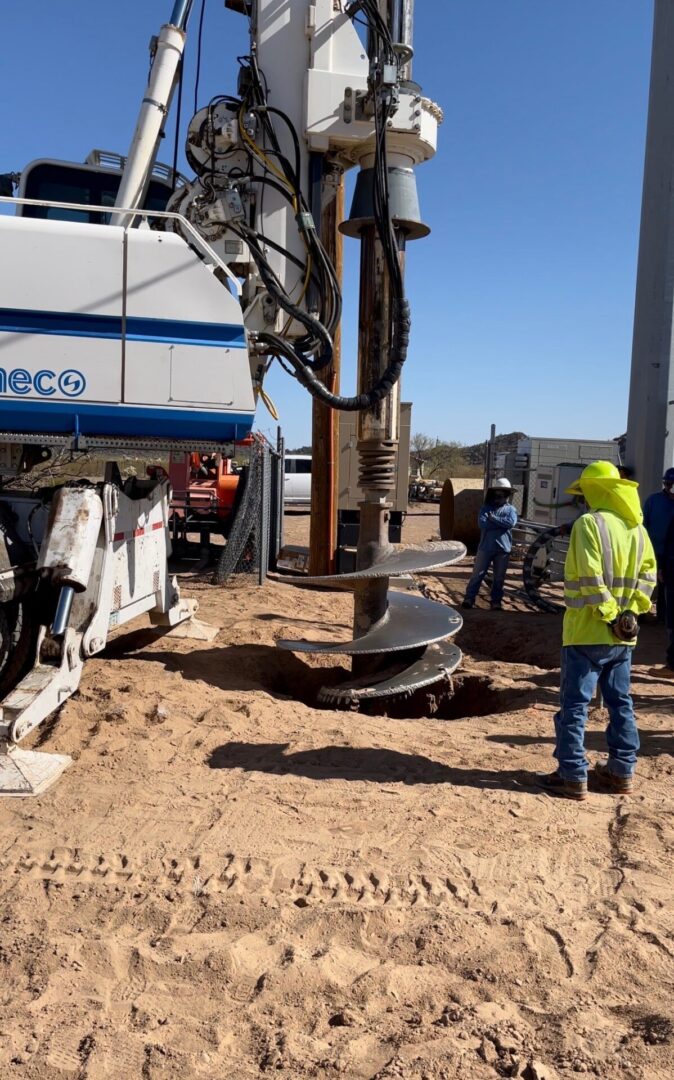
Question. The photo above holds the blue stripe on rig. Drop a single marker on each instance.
(79, 324)
(135, 421)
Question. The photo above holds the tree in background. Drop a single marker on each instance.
(420, 451)
(436, 460)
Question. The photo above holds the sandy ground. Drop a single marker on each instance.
(229, 882)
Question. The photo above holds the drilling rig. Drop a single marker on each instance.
(147, 324)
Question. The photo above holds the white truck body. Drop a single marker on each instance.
(297, 479)
(121, 332)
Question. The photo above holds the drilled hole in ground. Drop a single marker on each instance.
(302, 680)
(476, 695)
(465, 696)
(512, 637)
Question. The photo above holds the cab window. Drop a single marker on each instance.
(57, 182)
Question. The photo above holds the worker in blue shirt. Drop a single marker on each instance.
(496, 519)
(658, 515)
(667, 586)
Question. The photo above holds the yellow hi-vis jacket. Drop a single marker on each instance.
(610, 566)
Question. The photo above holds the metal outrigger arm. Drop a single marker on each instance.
(105, 555)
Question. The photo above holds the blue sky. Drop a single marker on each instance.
(523, 295)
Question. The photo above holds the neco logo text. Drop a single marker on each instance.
(46, 383)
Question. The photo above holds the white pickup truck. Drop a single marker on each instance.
(297, 478)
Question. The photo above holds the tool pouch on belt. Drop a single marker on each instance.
(625, 627)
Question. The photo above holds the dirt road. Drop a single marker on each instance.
(229, 882)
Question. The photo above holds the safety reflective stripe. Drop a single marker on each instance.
(640, 546)
(603, 593)
(606, 549)
(625, 596)
(585, 601)
(642, 584)
(609, 588)
(582, 582)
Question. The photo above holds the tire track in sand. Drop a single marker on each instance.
(301, 883)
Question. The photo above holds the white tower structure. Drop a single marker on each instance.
(650, 426)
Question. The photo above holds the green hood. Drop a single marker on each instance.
(619, 496)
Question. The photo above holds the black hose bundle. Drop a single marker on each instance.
(382, 52)
(383, 386)
(313, 351)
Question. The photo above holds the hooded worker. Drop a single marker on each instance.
(609, 577)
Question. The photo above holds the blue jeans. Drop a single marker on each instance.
(583, 666)
(483, 560)
(660, 599)
(669, 616)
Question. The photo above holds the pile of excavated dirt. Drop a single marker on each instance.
(229, 882)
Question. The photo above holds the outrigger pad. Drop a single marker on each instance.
(27, 772)
(194, 630)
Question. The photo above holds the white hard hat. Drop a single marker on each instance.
(501, 485)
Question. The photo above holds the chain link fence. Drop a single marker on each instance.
(256, 534)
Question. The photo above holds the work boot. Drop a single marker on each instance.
(609, 781)
(467, 605)
(554, 784)
(496, 605)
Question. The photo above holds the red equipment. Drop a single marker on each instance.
(204, 485)
(204, 490)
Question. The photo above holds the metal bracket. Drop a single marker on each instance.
(120, 584)
(82, 444)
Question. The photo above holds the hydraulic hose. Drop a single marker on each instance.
(313, 352)
(307, 377)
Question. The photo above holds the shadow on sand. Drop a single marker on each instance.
(371, 764)
(653, 743)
